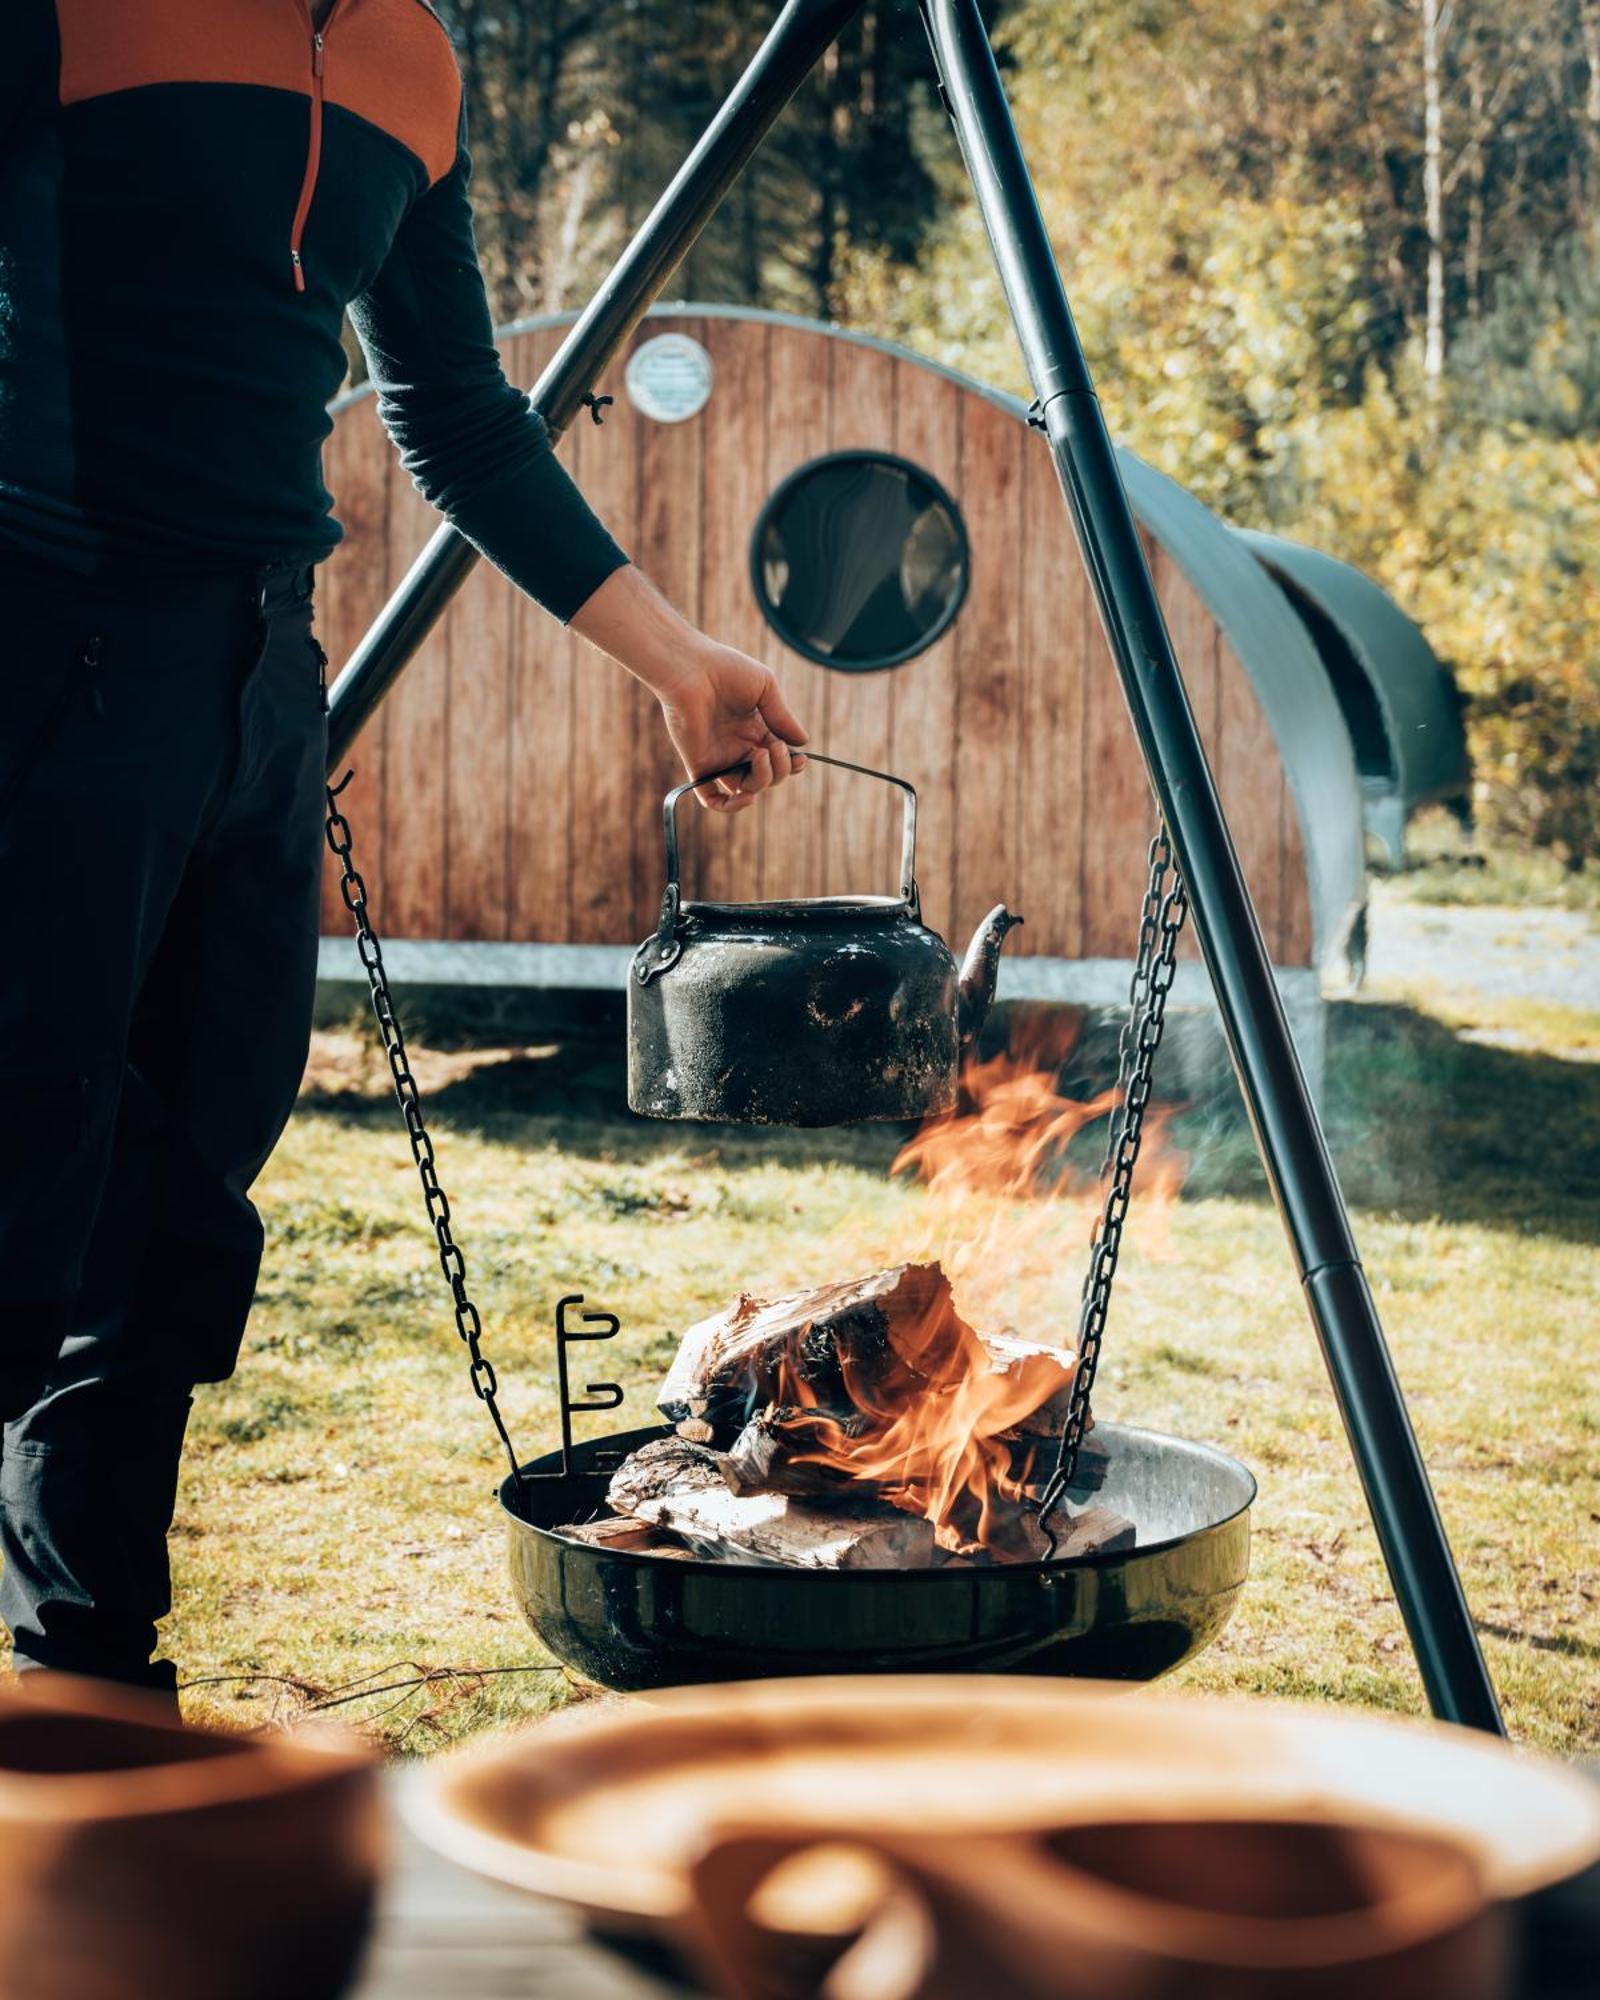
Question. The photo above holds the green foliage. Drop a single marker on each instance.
(1234, 193)
(1534, 360)
(1490, 537)
(581, 113)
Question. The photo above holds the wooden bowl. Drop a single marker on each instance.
(610, 1807)
(142, 1858)
(1229, 1909)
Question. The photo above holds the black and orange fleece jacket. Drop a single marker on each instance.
(192, 192)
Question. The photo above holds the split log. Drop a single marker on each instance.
(636, 1538)
(867, 1343)
(1018, 1535)
(1033, 1461)
(1041, 1374)
(1094, 1460)
(836, 1343)
(681, 1487)
(771, 1454)
(1097, 1531)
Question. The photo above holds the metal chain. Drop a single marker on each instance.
(1157, 862)
(1166, 905)
(468, 1323)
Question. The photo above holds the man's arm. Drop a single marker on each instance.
(29, 59)
(483, 456)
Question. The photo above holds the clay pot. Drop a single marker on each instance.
(1220, 1910)
(141, 1858)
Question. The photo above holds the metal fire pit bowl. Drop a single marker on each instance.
(641, 1621)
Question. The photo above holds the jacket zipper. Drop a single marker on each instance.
(308, 186)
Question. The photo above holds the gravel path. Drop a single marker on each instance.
(1515, 954)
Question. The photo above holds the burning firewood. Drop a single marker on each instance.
(1033, 1460)
(678, 1486)
(852, 1347)
(1021, 1536)
(1044, 1378)
(835, 1342)
(1097, 1531)
(877, 1392)
(777, 1452)
(616, 1532)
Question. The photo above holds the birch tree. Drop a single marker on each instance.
(1435, 27)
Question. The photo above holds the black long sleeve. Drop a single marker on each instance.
(28, 58)
(474, 444)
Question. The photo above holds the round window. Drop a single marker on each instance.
(859, 560)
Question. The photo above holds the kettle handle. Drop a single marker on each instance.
(908, 830)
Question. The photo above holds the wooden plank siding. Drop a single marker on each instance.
(727, 851)
(600, 787)
(1119, 810)
(351, 590)
(861, 842)
(511, 786)
(923, 747)
(409, 895)
(799, 371)
(668, 535)
(1052, 793)
(985, 835)
(476, 743)
(542, 700)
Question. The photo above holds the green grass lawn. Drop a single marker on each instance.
(336, 1526)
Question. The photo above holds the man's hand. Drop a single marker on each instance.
(726, 708)
(720, 706)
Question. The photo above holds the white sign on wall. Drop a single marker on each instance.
(669, 378)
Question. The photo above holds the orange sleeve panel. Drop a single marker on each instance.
(387, 61)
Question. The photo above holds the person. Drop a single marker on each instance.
(192, 193)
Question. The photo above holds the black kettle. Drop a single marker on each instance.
(824, 1011)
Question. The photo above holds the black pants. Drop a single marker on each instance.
(161, 774)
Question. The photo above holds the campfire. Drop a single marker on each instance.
(859, 1425)
(829, 1450)
(870, 1423)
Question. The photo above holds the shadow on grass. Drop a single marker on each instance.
(1424, 1124)
(1556, 1642)
(569, 1089)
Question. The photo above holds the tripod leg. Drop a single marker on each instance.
(1281, 1111)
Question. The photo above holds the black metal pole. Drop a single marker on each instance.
(1287, 1129)
(798, 37)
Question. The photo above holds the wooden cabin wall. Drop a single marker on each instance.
(510, 786)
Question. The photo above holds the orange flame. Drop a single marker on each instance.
(931, 1434)
(1011, 1202)
(928, 1421)
(1011, 1129)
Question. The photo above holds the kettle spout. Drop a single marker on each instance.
(979, 970)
